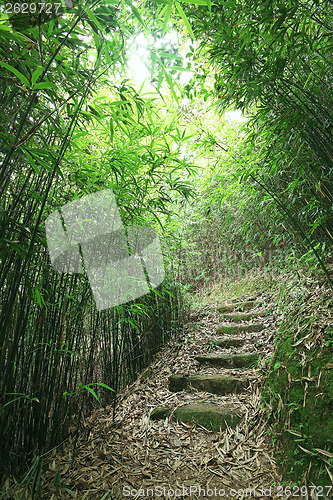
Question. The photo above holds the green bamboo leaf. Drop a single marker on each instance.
(105, 386)
(111, 129)
(17, 73)
(50, 28)
(12, 401)
(278, 23)
(92, 17)
(97, 41)
(107, 52)
(198, 2)
(171, 86)
(36, 74)
(180, 68)
(8, 32)
(167, 54)
(168, 10)
(136, 13)
(185, 20)
(31, 160)
(89, 389)
(39, 298)
(19, 395)
(44, 85)
(160, 79)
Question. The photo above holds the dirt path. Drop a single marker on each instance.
(136, 456)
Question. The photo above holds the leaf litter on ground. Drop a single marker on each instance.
(128, 453)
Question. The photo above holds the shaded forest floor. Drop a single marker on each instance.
(126, 456)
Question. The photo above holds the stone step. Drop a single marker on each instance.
(227, 342)
(233, 329)
(237, 300)
(242, 306)
(208, 415)
(160, 413)
(215, 384)
(245, 360)
(238, 317)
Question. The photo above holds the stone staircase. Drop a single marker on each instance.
(237, 322)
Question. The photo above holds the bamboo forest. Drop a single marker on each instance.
(166, 261)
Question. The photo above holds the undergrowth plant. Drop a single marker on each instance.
(298, 387)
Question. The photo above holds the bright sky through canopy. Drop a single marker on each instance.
(139, 59)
